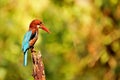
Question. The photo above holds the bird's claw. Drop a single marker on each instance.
(32, 49)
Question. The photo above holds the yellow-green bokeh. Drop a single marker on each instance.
(84, 43)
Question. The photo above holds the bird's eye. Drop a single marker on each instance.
(40, 22)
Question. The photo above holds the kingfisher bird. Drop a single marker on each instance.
(31, 37)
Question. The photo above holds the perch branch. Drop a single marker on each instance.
(38, 66)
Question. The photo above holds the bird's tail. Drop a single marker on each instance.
(25, 59)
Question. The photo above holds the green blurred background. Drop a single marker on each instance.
(84, 43)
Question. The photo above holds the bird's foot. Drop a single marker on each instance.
(32, 49)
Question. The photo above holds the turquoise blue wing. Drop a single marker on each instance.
(26, 39)
(25, 46)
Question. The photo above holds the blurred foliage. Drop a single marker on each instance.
(84, 43)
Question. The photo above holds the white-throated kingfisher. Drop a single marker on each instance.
(31, 37)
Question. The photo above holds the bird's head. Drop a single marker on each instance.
(38, 24)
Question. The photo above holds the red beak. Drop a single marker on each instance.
(45, 29)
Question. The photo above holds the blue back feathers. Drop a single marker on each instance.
(25, 43)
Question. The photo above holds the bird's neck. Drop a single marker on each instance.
(34, 30)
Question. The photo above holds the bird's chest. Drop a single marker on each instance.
(34, 35)
(33, 39)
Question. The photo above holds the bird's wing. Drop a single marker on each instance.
(26, 39)
(33, 38)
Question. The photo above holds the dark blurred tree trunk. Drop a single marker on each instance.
(38, 66)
